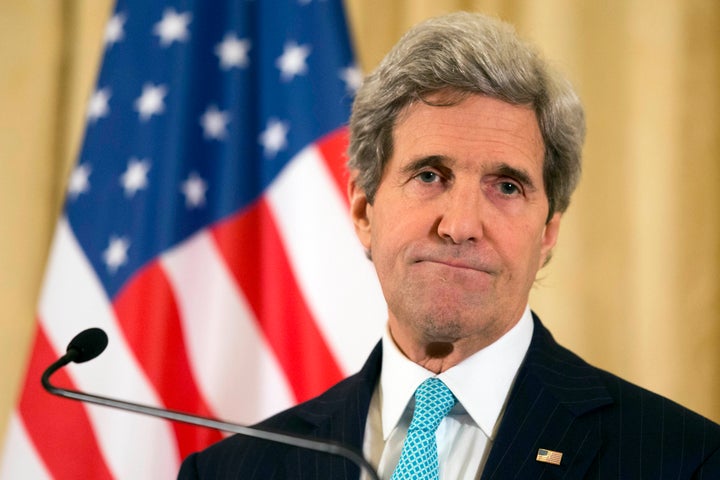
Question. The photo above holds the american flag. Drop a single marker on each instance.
(549, 456)
(206, 230)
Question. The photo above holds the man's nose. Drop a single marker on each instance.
(462, 215)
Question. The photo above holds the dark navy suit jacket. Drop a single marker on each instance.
(605, 427)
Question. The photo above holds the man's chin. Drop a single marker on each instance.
(453, 322)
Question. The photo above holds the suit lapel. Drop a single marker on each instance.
(547, 409)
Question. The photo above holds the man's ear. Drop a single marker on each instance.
(360, 211)
(550, 236)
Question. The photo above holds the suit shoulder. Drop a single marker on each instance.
(635, 399)
(314, 418)
(301, 418)
(622, 405)
(240, 456)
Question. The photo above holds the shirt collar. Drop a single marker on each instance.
(480, 383)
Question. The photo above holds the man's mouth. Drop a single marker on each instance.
(458, 263)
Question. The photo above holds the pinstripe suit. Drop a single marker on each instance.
(606, 428)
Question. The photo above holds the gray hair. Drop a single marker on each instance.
(469, 54)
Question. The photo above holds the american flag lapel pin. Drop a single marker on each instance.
(549, 456)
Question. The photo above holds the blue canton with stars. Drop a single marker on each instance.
(198, 106)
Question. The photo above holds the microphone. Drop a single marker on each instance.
(90, 343)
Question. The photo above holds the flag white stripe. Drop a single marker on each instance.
(327, 258)
(72, 300)
(235, 369)
(20, 459)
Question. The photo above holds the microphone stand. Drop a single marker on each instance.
(323, 446)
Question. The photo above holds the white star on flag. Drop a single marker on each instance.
(135, 176)
(79, 181)
(353, 78)
(293, 61)
(214, 123)
(98, 105)
(173, 27)
(194, 189)
(151, 102)
(233, 52)
(114, 30)
(274, 137)
(115, 255)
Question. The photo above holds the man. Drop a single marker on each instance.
(464, 152)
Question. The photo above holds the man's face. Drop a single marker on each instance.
(457, 230)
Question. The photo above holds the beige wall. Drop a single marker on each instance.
(48, 59)
(635, 282)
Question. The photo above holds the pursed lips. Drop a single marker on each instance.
(458, 263)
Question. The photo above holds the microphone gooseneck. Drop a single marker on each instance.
(90, 343)
(85, 346)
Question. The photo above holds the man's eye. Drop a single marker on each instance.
(427, 177)
(509, 188)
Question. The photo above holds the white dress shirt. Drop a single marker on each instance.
(481, 384)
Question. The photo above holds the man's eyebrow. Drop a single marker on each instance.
(521, 175)
(434, 161)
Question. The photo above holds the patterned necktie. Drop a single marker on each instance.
(419, 459)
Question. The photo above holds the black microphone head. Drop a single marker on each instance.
(88, 344)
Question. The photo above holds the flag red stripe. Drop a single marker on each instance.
(333, 148)
(253, 250)
(59, 428)
(148, 315)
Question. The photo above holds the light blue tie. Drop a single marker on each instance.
(419, 459)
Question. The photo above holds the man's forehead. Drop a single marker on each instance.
(477, 126)
(471, 111)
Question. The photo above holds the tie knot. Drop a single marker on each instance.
(433, 401)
